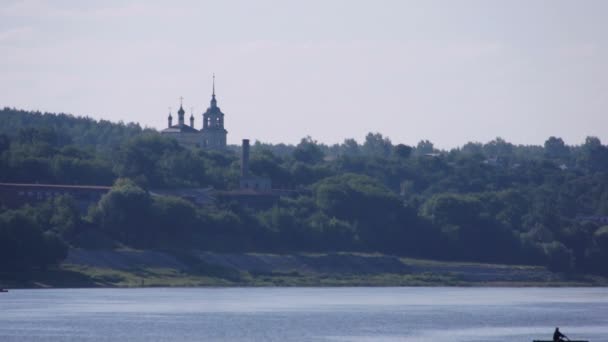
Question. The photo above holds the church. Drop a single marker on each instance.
(212, 134)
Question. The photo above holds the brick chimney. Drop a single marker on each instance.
(245, 159)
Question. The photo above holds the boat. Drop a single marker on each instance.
(3, 290)
(566, 340)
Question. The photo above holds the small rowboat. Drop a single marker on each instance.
(566, 340)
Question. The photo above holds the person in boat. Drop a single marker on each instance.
(558, 336)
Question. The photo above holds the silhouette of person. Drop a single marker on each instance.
(557, 336)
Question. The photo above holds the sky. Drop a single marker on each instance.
(449, 71)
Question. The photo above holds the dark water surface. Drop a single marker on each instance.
(303, 314)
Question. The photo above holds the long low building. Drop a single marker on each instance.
(14, 195)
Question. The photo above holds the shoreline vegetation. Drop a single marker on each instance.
(138, 268)
(96, 203)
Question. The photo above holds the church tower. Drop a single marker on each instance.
(213, 132)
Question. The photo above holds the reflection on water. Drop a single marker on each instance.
(303, 314)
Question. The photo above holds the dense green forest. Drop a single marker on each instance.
(486, 202)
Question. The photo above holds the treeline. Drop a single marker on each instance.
(101, 135)
(492, 202)
(62, 149)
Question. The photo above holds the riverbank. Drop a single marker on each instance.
(137, 268)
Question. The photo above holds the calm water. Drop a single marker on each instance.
(303, 314)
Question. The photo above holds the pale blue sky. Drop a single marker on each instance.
(448, 71)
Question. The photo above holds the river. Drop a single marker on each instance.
(303, 314)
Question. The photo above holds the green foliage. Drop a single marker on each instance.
(498, 148)
(24, 244)
(378, 217)
(64, 217)
(102, 135)
(452, 209)
(424, 147)
(377, 145)
(299, 226)
(594, 155)
(124, 212)
(402, 151)
(173, 220)
(265, 163)
(152, 160)
(355, 196)
(308, 151)
(492, 202)
(473, 229)
(556, 148)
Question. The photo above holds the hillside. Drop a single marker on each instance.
(494, 203)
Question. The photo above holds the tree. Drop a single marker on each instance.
(472, 148)
(24, 244)
(265, 163)
(140, 159)
(498, 148)
(424, 146)
(556, 148)
(125, 212)
(377, 145)
(350, 147)
(403, 151)
(175, 220)
(594, 156)
(65, 218)
(452, 209)
(363, 202)
(473, 233)
(308, 151)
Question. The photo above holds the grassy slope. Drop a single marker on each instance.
(420, 273)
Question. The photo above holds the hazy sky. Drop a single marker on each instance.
(448, 71)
